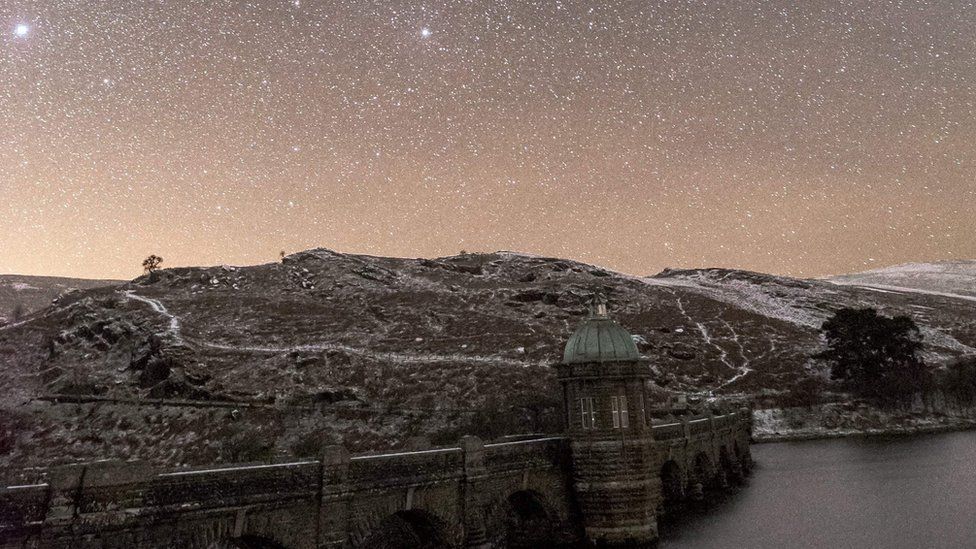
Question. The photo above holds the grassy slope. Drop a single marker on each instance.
(373, 351)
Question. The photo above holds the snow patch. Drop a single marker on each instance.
(845, 419)
(22, 286)
(156, 305)
(751, 296)
(884, 288)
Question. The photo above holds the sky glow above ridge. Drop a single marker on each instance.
(800, 138)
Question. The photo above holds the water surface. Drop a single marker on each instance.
(917, 492)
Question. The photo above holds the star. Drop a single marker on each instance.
(679, 111)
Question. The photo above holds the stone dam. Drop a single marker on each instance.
(621, 463)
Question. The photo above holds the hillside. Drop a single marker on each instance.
(30, 293)
(955, 278)
(280, 359)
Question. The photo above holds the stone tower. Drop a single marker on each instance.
(602, 377)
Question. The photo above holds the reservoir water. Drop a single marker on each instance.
(891, 493)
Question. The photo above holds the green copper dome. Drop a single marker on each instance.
(599, 339)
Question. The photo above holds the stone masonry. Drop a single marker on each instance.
(603, 482)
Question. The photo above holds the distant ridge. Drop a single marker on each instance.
(956, 277)
(31, 293)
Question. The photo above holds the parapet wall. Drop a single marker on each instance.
(518, 455)
(338, 498)
(244, 485)
(690, 426)
(406, 467)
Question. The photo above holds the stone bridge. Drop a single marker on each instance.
(510, 494)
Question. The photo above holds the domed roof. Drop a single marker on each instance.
(599, 339)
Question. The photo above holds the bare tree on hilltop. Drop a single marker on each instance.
(151, 265)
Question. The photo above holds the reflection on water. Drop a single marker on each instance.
(915, 492)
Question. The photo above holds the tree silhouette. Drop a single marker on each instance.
(151, 264)
(875, 355)
(959, 380)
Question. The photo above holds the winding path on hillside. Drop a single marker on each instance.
(176, 327)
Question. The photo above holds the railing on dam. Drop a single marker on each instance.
(247, 484)
(429, 465)
(668, 431)
(696, 425)
(522, 454)
(117, 486)
(103, 485)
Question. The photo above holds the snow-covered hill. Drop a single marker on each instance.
(950, 278)
(327, 347)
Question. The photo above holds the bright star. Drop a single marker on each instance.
(21, 30)
(425, 32)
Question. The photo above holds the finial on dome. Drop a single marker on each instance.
(598, 306)
(599, 339)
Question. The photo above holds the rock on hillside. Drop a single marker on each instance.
(280, 359)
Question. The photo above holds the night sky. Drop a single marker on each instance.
(796, 137)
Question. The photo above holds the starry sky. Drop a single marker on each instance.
(794, 137)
